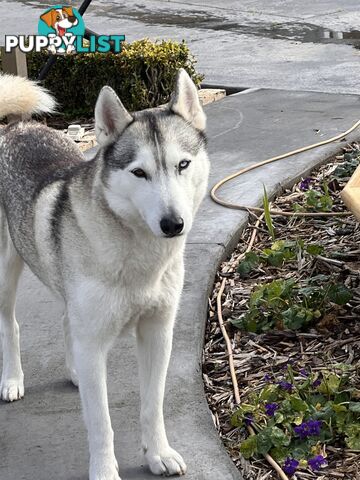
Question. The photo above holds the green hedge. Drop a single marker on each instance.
(142, 74)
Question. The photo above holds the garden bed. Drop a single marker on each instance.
(291, 310)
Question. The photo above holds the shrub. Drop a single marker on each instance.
(142, 74)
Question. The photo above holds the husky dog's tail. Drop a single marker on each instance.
(20, 96)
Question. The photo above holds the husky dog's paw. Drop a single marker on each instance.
(167, 462)
(12, 389)
(104, 470)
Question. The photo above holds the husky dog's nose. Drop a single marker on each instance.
(172, 226)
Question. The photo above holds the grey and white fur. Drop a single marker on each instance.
(107, 236)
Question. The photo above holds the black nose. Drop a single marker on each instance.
(172, 226)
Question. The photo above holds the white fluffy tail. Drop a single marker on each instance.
(20, 96)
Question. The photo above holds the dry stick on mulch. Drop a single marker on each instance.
(221, 321)
(228, 343)
(335, 341)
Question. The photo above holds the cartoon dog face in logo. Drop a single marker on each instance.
(60, 19)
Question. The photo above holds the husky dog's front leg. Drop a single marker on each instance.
(69, 355)
(90, 354)
(154, 341)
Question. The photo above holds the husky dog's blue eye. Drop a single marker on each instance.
(184, 164)
(138, 172)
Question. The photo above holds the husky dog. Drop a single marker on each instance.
(106, 235)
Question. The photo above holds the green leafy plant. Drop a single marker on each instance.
(319, 201)
(280, 252)
(316, 201)
(285, 304)
(348, 167)
(297, 413)
(267, 215)
(142, 74)
(250, 262)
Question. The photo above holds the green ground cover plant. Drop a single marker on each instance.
(297, 413)
(287, 304)
(348, 167)
(316, 200)
(277, 255)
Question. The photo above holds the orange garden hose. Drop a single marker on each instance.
(225, 203)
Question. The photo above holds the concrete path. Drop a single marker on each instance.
(42, 437)
(288, 44)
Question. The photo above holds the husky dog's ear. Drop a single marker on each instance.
(111, 117)
(186, 101)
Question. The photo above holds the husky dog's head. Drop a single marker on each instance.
(154, 163)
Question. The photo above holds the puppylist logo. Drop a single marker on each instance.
(61, 30)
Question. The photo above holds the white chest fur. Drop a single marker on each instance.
(127, 283)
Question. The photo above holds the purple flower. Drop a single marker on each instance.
(285, 386)
(267, 378)
(271, 408)
(316, 462)
(305, 184)
(309, 428)
(248, 419)
(304, 373)
(290, 466)
(316, 383)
